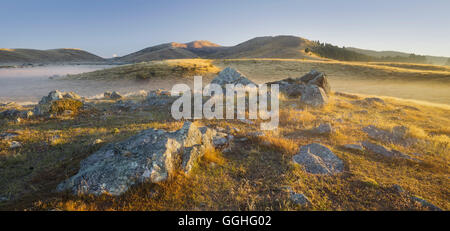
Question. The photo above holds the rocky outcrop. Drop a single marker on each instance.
(312, 88)
(58, 95)
(318, 159)
(318, 79)
(112, 95)
(425, 203)
(14, 114)
(231, 76)
(397, 135)
(150, 156)
(43, 107)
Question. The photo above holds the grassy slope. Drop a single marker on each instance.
(250, 178)
(147, 70)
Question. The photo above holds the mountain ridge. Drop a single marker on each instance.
(61, 55)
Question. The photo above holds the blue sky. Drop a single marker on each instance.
(120, 27)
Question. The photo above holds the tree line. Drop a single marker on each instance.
(327, 50)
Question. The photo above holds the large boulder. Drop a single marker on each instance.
(316, 78)
(150, 156)
(312, 88)
(314, 96)
(231, 76)
(318, 159)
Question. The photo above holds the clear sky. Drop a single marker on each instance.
(120, 27)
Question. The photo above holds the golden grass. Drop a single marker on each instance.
(154, 69)
(252, 174)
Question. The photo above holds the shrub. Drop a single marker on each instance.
(59, 106)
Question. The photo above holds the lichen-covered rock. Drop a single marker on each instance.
(318, 159)
(323, 129)
(231, 76)
(397, 136)
(151, 156)
(299, 199)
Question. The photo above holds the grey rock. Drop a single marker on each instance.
(128, 105)
(398, 188)
(318, 159)
(426, 204)
(397, 136)
(299, 199)
(112, 95)
(15, 144)
(159, 98)
(356, 147)
(231, 76)
(316, 78)
(8, 135)
(150, 156)
(379, 149)
(58, 95)
(314, 96)
(323, 129)
(368, 102)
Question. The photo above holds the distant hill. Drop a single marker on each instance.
(289, 47)
(47, 56)
(439, 60)
(260, 47)
(195, 49)
(283, 46)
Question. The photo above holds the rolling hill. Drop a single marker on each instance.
(260, 47)
(47, 56)
(194, 49)
(282, 46)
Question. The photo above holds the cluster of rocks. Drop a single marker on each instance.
(112, 95)
(312, 88)
(397, 135)
(14, 114)
(151, 156)
(44, 105)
